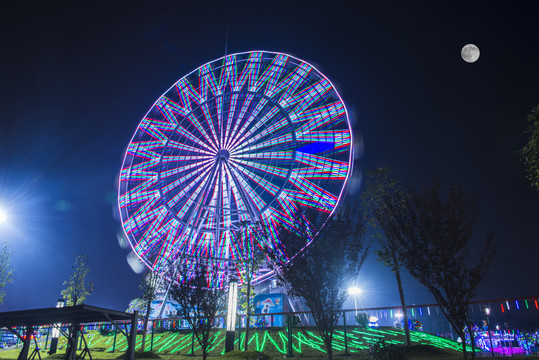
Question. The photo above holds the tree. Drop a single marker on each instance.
(149, 286)
(77, 288)
(6, 272)
(199, 302)
(321, 272)
(250, 256)
(530, 152)
(138, 305)
(434, 234)
(379, 189)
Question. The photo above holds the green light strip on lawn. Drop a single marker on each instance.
(357, 339)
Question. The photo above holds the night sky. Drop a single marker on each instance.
(76, 79)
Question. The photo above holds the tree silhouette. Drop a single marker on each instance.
(380, 189)
(149, 286)
(6, 272)
(250, 255)
(530, 152)
(77, 288)
(322, 272)
(199, 302)
(434, 234)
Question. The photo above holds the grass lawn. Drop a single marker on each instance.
(306, 343)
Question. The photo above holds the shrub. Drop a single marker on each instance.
(362, 319)
(382, 351)
(105, 331)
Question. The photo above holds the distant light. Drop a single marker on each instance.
(135, 263)
(354, 290)
(399, 315)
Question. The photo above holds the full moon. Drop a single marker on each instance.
(470, 53)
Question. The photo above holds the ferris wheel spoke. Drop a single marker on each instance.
(140, 171)
(239, 119)
(152, 234)
(175, 145)
(319, 167)
(210, 140)
(337, 138)
(200, 180)
(241, 206)
(166, 247)
(197, 169)
(253, 117)
(199, 196)
(306, 98)
(271, 75)
(284, 140)
(320, 116)
(145, 149)
(268, 169)
(142, 192)
(265, 184)
(200, 142)
(324, 199)
(209, 120)
(156, 128)
(187, 93)
(290, 84)
(249, 73)
(288, 203)
(178, 158)
(170, 109)
(132, 198)
(225, 205)
(140, 217)
(270, 130)
(254, 203)
(231, 105)
(267, 155)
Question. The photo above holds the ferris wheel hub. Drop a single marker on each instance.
(223, 155)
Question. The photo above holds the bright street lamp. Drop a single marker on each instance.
(486, 311)
(3, 216)
(354, 291)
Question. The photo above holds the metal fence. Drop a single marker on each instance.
(502, 339)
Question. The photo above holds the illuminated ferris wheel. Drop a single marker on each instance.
(249, 137)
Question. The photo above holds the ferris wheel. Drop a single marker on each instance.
(250, 137)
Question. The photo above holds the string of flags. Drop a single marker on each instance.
(505, 305)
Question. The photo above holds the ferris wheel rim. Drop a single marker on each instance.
(223, 59)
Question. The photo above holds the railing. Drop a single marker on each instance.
(506, 341)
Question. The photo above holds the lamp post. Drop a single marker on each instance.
(231, 314)
(486, 311)
(55, 331)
